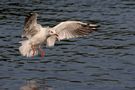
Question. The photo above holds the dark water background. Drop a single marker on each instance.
(104, 60)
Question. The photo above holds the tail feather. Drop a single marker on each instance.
(26, 49)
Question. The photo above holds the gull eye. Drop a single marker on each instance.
(51, 32)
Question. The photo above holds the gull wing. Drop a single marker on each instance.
(30, 25)
(73, 29)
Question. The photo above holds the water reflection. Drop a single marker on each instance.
(30, 85)
(34, 85)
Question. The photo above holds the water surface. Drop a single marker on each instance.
(103, 60)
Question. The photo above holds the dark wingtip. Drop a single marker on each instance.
(30, 15)
(93, 25)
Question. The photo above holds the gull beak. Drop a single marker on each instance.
(56, 35)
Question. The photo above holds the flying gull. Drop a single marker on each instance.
(38, 35)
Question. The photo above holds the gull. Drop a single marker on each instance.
(37, 35)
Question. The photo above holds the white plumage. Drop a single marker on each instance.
(37, 35)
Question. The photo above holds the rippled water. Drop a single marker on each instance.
(104, 60)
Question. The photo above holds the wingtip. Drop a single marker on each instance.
(31, 13)
(93, 25)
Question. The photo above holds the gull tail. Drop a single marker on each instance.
(26, 50)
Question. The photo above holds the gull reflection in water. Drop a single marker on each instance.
(33, 85)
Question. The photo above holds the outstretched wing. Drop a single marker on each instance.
(30, 25)
(72, 29)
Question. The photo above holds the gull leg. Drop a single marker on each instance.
(42, 52)
(33, 48)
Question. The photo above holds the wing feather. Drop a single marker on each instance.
(72, 29)
(30, 25)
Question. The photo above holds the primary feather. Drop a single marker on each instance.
(72, 29)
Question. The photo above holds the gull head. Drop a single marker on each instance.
(52, 32)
